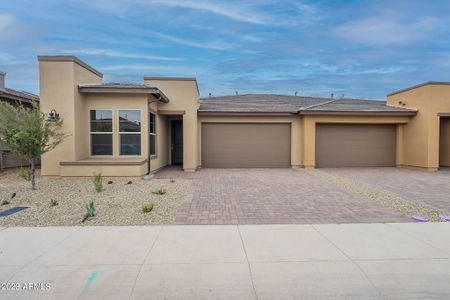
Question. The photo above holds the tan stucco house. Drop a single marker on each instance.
(9, 159)
(117, 129)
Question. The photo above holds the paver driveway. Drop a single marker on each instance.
(428, 188)
(272, 196)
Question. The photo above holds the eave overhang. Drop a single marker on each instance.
(244, 113)
(105, 89)
(359, 113)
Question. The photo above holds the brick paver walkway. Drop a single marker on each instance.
(272, 196)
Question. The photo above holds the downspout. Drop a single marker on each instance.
(149, 174)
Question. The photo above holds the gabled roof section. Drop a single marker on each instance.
(19, 96)
(356, 106)
(420, 85)
(122, 88)
(260, 103)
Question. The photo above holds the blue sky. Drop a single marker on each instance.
(357, 48)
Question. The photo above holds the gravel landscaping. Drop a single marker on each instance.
(118, 204)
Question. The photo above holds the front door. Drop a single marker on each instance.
(177, 141)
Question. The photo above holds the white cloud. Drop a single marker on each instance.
(260, 12)
(112, 53)
(215, 45)
(7, 59)
(8, 27)
(153, 68)
(224, 9)
(386, 31)
(6, 22)
(12, 30)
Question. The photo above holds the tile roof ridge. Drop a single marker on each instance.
(319, 104)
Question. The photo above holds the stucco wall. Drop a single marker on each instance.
(59, 90)
(106, 170)
(183, 95)
(421, 135)
(161, 158)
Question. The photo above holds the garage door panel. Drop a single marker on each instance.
(234, 145)
(357, 145)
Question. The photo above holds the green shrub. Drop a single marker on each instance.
(160, 191)
(172, 180)
(53, 202)
(147, 208)
(5, 202)
(98, 182)
(90, 208)
(26, 174)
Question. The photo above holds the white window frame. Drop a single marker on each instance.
(153, 134)
(120, 132)
(91, 132)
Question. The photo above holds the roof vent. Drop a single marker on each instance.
(2, 80)
(296, 93)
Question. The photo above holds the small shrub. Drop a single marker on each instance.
(172, 180)
(160, 191)
(53, 202)
(98, 182)
(147, 208)
(26, 174)
(90, 208)
(5, 202)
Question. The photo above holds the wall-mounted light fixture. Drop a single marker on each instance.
(53, 116)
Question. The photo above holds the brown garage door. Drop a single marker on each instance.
(239, 145)
(342, 145)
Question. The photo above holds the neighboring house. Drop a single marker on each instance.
(9, 159)
(116, 128)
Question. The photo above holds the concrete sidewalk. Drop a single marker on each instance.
(394, 261)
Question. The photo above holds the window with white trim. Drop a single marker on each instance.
(130, 131)
(152, 134)
(101, 131)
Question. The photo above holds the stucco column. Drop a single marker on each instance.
(433, 141)
(399, 146)
(190, 141)
(296, 143)
(309, 143)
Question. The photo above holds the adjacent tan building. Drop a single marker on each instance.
(9, 159)
(127, 130)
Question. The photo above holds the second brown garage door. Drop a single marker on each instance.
(342, 145)
(241, 145)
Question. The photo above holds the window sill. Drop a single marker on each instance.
(105, 162)
(154, 156)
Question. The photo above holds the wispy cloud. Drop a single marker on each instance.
(11, 29)
(112, 53)
(7, 59)
(6, 21)
(224, 9)
(215, 45)
(153, 68)
(386, 31)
